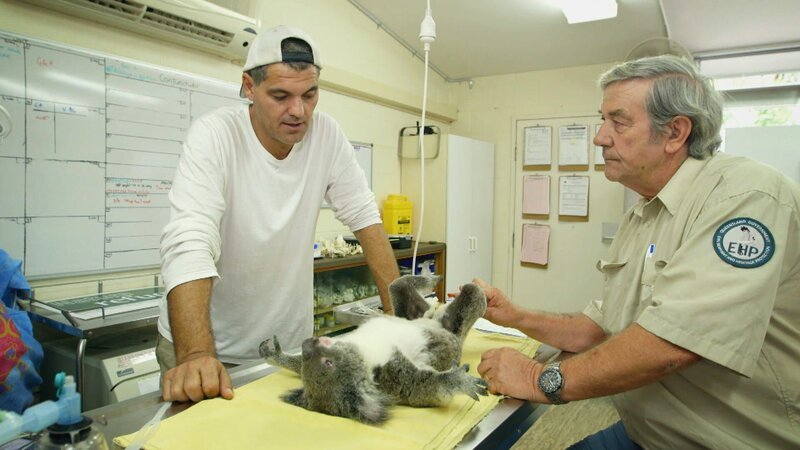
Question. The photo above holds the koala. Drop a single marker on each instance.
(410, 359)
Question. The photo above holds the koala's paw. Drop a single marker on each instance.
(270, 348)
(467, 384)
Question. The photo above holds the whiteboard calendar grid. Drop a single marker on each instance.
(85, 175)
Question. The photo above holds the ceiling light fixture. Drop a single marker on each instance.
(578, 11)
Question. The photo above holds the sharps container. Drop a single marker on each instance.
(397, 210)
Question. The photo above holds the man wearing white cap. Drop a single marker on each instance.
(237, 253)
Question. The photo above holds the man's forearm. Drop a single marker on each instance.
(380, 259)
(189, 319)
(573, 332)
(631, 359)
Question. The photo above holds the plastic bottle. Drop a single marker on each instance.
(67, 429)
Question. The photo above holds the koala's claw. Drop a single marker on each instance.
(477, 388)
(267, 349)
(467, 384)
(482, 386)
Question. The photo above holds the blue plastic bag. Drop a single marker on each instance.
(21, 354)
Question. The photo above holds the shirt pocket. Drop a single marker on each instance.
(652, 269)
(611, 270)
(613, 282)
(650, 273)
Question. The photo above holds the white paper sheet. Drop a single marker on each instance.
(573, 145)
(538, 146)
(484, 325)
(573, 196)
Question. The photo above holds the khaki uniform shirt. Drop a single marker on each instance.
(712, 264)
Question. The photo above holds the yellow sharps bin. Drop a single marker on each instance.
(397, 210)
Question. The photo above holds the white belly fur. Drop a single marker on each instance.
(379, 337)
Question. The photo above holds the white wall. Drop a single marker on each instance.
(377, 83)
(778, 147)
(488, 112)
(366, 122)
(362, 60)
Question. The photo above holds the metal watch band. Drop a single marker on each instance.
(553, 395)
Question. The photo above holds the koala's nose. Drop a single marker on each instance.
(310, 348)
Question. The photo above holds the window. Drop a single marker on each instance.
(761, 119)
(761, 100)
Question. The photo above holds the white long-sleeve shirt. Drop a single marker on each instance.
(247, 219)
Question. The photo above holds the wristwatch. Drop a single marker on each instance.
(551, 381)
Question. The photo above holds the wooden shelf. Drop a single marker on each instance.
(325, 264)
(437, 249)
(328, 330)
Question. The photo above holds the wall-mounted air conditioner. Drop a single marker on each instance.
(194, 23)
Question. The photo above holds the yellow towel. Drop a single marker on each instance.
(258, 418)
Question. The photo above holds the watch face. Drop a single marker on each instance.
(550, 381)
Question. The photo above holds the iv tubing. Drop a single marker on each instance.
(421, 163)
(427, 39)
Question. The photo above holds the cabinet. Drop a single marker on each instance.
(459, 205)
(342, 280)
(470, 211)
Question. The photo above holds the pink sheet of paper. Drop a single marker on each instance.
(536, 194)
(535, 243)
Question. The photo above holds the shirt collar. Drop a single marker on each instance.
(678, 186)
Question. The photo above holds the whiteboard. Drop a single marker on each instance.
(85, 173)
(84, 176)
(363, 153)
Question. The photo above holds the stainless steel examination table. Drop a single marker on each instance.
(498, 430)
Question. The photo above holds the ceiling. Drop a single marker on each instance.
(489, 37)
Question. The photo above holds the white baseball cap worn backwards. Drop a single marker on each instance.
(267, 49)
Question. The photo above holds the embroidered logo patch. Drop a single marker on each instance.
(744, 242)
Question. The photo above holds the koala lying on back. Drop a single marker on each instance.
(410, 359)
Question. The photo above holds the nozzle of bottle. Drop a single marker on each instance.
(68, 399)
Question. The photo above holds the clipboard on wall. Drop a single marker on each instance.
(535, 245)
(599, 161)
(573, 198)
(536, 196)
(538, 151)
(573, 147)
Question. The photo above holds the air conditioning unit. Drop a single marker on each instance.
(194, 23)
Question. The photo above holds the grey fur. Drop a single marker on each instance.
(407, 294)
(337, 380)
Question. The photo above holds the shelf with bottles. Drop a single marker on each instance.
(325, 324)
(338, 281)
(333, 288)
(336, 287)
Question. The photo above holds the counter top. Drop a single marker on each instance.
(504, 424)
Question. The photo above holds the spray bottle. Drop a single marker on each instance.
(66, 427)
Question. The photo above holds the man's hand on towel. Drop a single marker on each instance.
(198, 377)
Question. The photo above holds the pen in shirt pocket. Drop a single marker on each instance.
(650, 250)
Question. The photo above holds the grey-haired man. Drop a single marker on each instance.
(697, 334)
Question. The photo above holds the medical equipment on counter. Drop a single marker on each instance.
(116, 367)
(357, 312)
(66, 427)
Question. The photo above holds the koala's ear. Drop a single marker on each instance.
(296, 397)
(373, 409)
